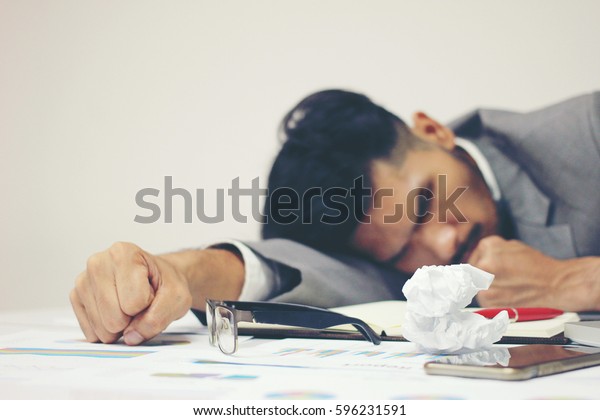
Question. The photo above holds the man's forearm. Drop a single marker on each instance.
(210, 273)
(578, 283)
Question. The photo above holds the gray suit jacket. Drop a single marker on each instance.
(547, 164)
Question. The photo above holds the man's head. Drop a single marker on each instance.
(339, 144)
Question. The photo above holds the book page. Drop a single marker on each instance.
(382, 316)
(544, 328)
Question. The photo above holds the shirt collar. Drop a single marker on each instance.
(483, 165)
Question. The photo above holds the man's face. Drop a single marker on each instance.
(410, 227)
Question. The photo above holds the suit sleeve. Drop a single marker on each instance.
(305, 276)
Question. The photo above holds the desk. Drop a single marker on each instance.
(47, 359)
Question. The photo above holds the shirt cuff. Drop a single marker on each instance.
(259, 279)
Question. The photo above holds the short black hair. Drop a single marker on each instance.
(330, 140)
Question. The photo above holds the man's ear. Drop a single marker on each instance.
(432, 131)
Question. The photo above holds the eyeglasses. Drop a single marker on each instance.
(223, 316)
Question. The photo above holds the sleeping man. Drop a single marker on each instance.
(358, 200)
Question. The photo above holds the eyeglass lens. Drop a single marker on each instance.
(225, 329)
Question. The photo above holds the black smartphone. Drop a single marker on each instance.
(516, 363)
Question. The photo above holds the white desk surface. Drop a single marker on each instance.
(43, 356)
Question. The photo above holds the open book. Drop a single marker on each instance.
(386, 317)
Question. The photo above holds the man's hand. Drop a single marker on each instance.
(125, 290)
(526, 277)
(130, 292)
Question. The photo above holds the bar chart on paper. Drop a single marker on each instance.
(359, 354)
(329, 354)
(103, 354)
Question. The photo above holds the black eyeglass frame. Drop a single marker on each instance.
(284, 314)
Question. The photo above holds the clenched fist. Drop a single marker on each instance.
(527, 277)
(126, 291)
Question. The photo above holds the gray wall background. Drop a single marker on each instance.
(99, 99)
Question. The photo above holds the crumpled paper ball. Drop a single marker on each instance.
(435, 320)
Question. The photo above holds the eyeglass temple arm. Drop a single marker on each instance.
(315, 319)
(299, 316)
